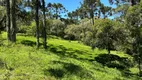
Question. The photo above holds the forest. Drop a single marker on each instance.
(43, 40)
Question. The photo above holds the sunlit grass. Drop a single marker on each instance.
(23, 62)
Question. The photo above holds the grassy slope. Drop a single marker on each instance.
(63, 60)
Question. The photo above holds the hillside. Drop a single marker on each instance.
(63, 60)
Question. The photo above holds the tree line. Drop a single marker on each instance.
(89, 23)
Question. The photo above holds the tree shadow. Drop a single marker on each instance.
(63, 51)
(72, 68)
(29, 43)
(58, 73)
(114, 61)
(128, 73)
(2, 63)
(68, 68)
(68, 52)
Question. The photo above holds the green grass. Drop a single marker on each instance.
(63, 60)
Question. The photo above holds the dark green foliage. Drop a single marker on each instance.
(57, 28)
(118, 2)
(114, 61)
(133, 22)
(105, 10)
(89, 25)
(110, 35)
(56, 9)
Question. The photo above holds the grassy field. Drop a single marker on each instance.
(63, 60)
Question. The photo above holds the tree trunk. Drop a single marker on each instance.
(138, 50)
(93, 20)
(56, 13)
(139, 64)
(108, 44)
(108, 48)
(37, 23)
(92, 16)
(104, 16)
(99, 14)
(3, 19)
(44, 25)
(108, 51)
(8, 19)
(13, 16)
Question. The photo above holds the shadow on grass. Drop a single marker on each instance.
(114, 61)
(58, 73)
(67, 69)
(2, 63)
(29, 43)
(63, 51)
(70, 52)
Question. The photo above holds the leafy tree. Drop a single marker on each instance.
(134, 23)
(85, 28)
(132, 2)
(73, 16)
(81, 32)
(49, 8)
(57, 28)
(57, 9)
(12, 13)
(11, 31)
(70, 31)
(83, 12)
(121, 10)
(108, 35)
(91, 5)
(70, 15)
(106, 10)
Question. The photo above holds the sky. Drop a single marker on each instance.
(72, 5)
